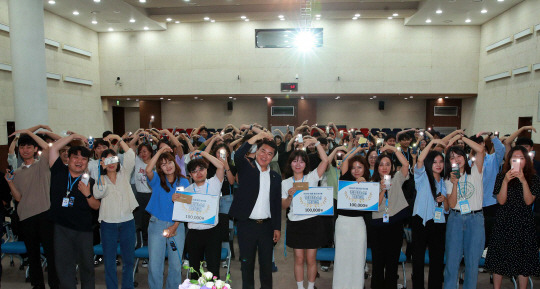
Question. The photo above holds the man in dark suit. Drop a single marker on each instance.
(257, 207)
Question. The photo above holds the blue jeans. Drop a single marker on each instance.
(464, 238)
(158, 247)
(225, 203)
(123, 234)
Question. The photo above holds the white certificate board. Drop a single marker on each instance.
(315, 201)
(358, 196)
(203, 209)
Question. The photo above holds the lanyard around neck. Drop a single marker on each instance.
(464, 194)
(206, 188)
(294, 181)
(70, 183)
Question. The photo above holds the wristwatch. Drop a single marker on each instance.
(89, 196)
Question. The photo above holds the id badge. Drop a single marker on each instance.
(65, 202)
(71, 201)
(464, 207)
(439, 215)
(385, 218)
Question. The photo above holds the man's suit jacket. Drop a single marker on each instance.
(248, 191)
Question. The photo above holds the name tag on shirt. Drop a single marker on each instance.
(65, 202)
(439, 215)
(301, 186)
(464, 207)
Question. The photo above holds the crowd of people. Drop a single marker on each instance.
(461, 195)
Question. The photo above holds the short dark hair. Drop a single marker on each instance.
(106, 133)
(322, 140)
(75, 150)
(404, 136)
(26, 140)
(519, 142)
(297, 154)
(101, 142)
(203, 128)
(477, 139)
(195, 163)
(270, 143)
(389, 136)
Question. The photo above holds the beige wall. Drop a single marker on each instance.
(370, 56)
(366, 113)
(71, 106)
(501, 102)
(213, 113)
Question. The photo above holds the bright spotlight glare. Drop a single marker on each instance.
(305, 40)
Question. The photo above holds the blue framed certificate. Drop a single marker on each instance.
(203, 209)
(358, 196)
(315, 201)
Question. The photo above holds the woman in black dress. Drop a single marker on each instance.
(513, 249)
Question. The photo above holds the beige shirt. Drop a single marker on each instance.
(117, 200)
(396, 199)
(34, 184)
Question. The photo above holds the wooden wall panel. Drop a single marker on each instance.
(147, 108)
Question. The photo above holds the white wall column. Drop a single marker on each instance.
(26, 21)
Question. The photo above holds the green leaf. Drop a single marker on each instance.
(228, 279)
(194, 282)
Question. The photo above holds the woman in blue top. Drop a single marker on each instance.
(428, 222)
(164, 235)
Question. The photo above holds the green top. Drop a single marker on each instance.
(332, 175)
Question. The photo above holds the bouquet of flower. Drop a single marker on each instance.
(206, 280)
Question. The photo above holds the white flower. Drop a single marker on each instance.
(219, 284)
(226, 286)
(208, 276)
(209, 284)
(201, 281)
(194, 286)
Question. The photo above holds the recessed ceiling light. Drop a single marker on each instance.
(168, 99)
(247, 20)
(356, 15)
(196, 97)
(281, 16)
(230, 97)
(243, 17)
(354, 18)
(142, 1)
(75, 12)
(145, 28)
(439, 11)
(186, 0)
(440, 98)
(131, 20)
(97, 1)
(94, 21)
(406, 98)
(212, 20)
(161, 98)
(110, 29)
(169, 19)
(206, 18)
(371, 98)
(500, 0)
(281, 19)
(390, 18)
(318, 15)
(428, 20)
(484, 11)
(468, 21)
(395, 15)
(176, 21)
(446, 97)
(52, 2)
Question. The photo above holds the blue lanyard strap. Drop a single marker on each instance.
(464, 194)
(70, 183)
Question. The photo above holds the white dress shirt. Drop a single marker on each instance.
(261, 210)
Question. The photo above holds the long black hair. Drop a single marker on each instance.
(376, 176)
(428, 165)
(448, 164)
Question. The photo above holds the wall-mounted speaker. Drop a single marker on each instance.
(381, 105)
(229, 105)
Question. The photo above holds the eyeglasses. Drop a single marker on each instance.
(196, 171)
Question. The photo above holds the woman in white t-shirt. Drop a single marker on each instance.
(305, 233)
(465, 227)
(203, 241)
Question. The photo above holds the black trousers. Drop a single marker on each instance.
(387, 242)
(142, 217)
(253, 237)
(431, 236)
(38, 230)
(204, 244)
(74, 248)
(490, 213)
